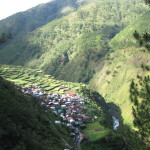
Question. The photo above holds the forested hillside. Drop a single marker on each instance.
(24, 123)
(71, 48)
(102, 43)
(139, 96)
(127, 61)
(34, 127)
(29, 20)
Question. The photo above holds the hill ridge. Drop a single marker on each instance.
(79, 39)
(122, 65)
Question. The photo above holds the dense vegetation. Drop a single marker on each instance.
(139, 95)
(147, 2)
(4, 38)
(24, 123)
(126, 60)
(99, 101)
(21, 115)
(29, 20)
(95, 106)
(26, 77)
(144, 39)
(125, 138)
(74, 48)
(71, 48)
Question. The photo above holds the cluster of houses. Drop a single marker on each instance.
(70, 108)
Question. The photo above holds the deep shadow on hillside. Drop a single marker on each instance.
(124, 138)
(115, 110)
(24, 124)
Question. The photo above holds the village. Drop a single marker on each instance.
(69, 108)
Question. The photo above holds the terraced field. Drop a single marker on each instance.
(26, 77)
(95, 131)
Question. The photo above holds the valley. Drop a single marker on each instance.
(70, 109)
(75, 75)
(71, 48)
(123, 65)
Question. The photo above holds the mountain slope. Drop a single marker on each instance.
(25, 124)
(33, 18)
(21, 108)
(70, 48)
(122, 65)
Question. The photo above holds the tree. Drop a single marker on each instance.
(5, 37)
(139, 95)
(143, 39)
(147, 2)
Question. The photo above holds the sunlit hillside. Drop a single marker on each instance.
(122, 65)
(71, 48)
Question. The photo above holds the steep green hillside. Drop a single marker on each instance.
(125, 62)
(22, 115)
(33, 18)
(26, 77)
(95, 104)
(139, 96)
(24, 123)
(71, 48)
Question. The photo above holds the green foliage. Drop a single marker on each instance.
(138, 28)
(125, 140)
(139, 95)
(96, 145)
(147, 2)
(129, 60)
(95, 99)
(29, 20)
(145, 67)
(25, 124)
(27, 77)
(95, 131)
(4, 38)
(144, 39)
(83, 36)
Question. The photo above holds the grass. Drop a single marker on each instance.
(71, 48)
(95, 131)
(26, 77)
(124, 64)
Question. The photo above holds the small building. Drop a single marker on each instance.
(63, 106)
(57, 122)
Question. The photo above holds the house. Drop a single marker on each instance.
(56, 103)
(71, 94)
(69, 125)
(74, 111)
(63, 106)
(71, 120)
(59, 111)
(50, 103)
(67, 103)
(40, 93)
(72, 134)
(68, 114)
(73, 106)
(53, 108)
(58, 122)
